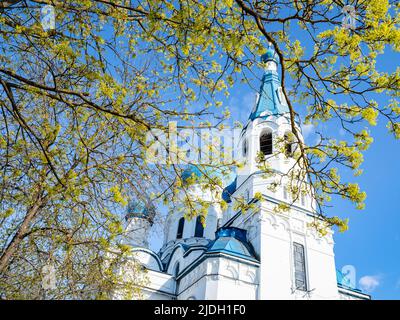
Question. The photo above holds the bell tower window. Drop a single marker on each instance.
(266, 142)
(288, 145)
(199, 229)
(244, 148)
(181, 225)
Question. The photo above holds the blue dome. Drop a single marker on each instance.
(191, 171)
(232, 241)
(140, 209)
(270, 55)
(239, 234)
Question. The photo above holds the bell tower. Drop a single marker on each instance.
(268, 129)
(295, 261)
(138, 221)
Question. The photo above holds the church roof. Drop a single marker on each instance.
(232, 241)
(229, 190)
(271, 100)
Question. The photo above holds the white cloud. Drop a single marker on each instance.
(307, 129)
(369, 283)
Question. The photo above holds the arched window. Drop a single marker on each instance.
(288, 145)
(181, 224)
(266, 142)
(300, 275)
(199, 230)
(244, 148)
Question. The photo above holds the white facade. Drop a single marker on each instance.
(259, 254)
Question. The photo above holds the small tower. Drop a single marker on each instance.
(177, 227)
(268, 124)
(139, 219)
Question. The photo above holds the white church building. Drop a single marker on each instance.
(256, 255)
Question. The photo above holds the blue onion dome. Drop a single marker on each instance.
(202, 173)
(140, 209)
(191, 171)
(232, 241)
(237, 233)
(270, 55)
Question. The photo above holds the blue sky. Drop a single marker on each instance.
(372, 242)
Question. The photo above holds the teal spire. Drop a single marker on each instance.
(271, 100)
